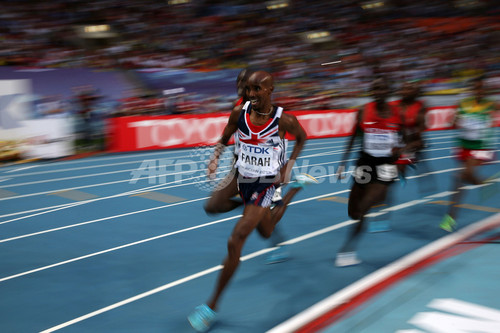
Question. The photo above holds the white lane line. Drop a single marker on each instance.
(292, 241)
(120, 181)
(141, 190)
(472, 187)
(102, 174)
(336, 152)
(157, 187)
(70, 205)
(217, 268)
(430, 135)
(108, 183)
(99, 220)
(441, 195)
(135, 298)
(155, 238)
(187, 154)
(116, 248)
(20, 169)
(129, 170)
(345, 295)
(296, 167)
(176, 165)
(101, 184)
(34, 210)
(73, 204)
(228, 154)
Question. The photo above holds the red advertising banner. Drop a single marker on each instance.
(161, 132)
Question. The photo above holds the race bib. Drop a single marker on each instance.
(386, 172)
(472, 128)
(483, 155)
(379, 143)
(256, 161)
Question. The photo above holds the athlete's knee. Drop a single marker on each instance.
(354, 214)
(210, 207)
(235, 244)
(353, 211)
(265, 232)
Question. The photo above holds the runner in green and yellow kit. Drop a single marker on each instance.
(476, 140)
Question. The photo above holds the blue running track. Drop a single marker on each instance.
(118, 243)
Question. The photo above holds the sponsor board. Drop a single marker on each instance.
(162, 132)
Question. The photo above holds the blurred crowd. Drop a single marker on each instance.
(319, 51)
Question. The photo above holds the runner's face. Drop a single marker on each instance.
(259, 93)
(380, 91)
(409, 91)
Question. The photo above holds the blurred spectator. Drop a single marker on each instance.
(51, 107)
(439, 42)
(85, 102)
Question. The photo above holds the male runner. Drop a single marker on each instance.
(476, 140)
(413, 117)
(261, 129)
(222, 198)
(379, 124)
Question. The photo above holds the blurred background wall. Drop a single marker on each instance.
(91, 60)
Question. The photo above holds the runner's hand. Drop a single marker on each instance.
(212, 169)
(341, 171)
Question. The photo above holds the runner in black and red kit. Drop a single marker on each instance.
(379, 125)
(413, 118)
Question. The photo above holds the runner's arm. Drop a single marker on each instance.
(415, 141)
(350, 143)
(229, 130)
(290, 124)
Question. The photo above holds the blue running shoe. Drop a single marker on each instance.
(303, 179)
(278, 255)
(202, 318)
(402, 180)
(378, 226)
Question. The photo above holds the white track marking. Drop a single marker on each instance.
(99, 220)
(341, 147)
(336, 299)
(345, 295)
(20, 169)
(157, 237)
(137, 159)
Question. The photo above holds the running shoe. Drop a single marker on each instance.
(378, 226)
(303, 179)
(448, 223)
(202, 318)
(278, 255)
(402, 180)
(277, 198)
(346, 259)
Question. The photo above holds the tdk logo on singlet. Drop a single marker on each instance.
(256, 150)
(252, 157)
